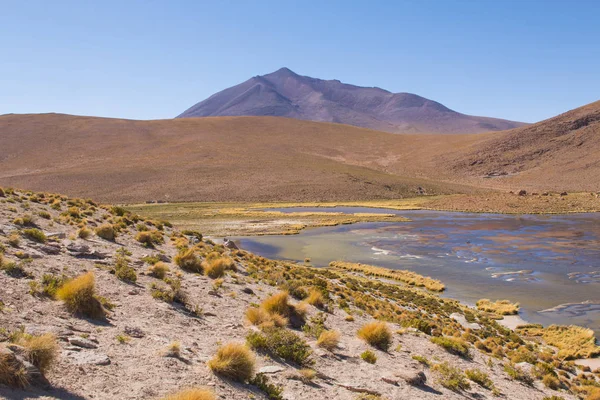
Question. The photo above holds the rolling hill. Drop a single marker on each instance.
(284, 93)
(283, 159)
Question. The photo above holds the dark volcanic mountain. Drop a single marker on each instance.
(284, 93)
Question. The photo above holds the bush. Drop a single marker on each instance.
(417, 323)
(35, 234)
(216, 268)
(551, 382)
(272, 391)
(451, 377)
(282, 343)
(518, 374)
(377, 334)
(192, 394)
(479, 377)
(150, 238)
(452, 345)
(259, 317)
(41, 350)
(44, 214)
(123, 271)
(159, 270)
(500, 307)
(369, 356)
(328, 340)
(106, 232)
(235, 361)
(51, 284)
(12, 373)
(84, 233)
(187, 260)
(277, 304)
(78, 296)
(316, 298)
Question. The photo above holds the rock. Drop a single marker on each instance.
(229, 244)
(358, 389)
(78, 248)
(163, 257)
(134, 332)
(51, 249)
(57, 235)
(413, 377)
(271, 369)
(522, 192)
(564, 194)
(545, 194)
(87, 358)
(81, 342)
(248, 290)
(84, 251)
(31, 374)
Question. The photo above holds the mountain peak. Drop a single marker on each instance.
(313, 99)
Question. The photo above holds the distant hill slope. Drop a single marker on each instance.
(284, 93)
(284, 159)
(558, 153)
(211, 159)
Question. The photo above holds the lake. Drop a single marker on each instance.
(550, 264)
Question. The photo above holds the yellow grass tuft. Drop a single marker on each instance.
(316, 298)
(259, 317)
(377, 334)
(329, 340)
(500, 307)
(572, 341)
(78, 296)
(192, 394)
(235, 361)
(106, 232)
(408, 277)
(277, 304)
(216, 267)
(41, 350)
(12, 373)
(159, 270)
(188, 261)
(84, 233)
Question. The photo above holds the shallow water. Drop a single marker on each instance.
(550, 264)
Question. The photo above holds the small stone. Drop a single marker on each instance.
(522, 192)
(271, 369)
(81, 342)
(87, 358)
(248, 290)
(134, 332)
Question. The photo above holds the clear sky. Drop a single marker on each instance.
(524, 60)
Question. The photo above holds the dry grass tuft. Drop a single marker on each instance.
(106, 232)
(79, 296)
(216, 267)
(159, 270)
(277, 304)
(260, 317)
(235, 361)
(84, 233)
(572, 341)
(188, 261)
(408, 277)
(377, 334)
(41, 351)
(500, 307)
(316, 298)
(12, 373)
(192, 394)
(329, 340)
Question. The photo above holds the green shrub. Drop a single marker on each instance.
(282, 343)
(417, 323)
(35, 234)
(518, 374)
(272, 391)
(123, 271)
(369, 356)
(452, 345)
(479, 377)
(551, 382)
(451, 377)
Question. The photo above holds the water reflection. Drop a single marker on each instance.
(549, 263)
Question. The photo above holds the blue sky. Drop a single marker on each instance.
(524, 60)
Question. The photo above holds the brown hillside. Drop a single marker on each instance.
(561, 153)
(210, 159)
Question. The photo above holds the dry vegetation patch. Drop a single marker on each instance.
(408, 277)
(572, 341)
(500, 307)
(235, 361)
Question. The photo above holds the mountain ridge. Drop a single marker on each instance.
(284, 93)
